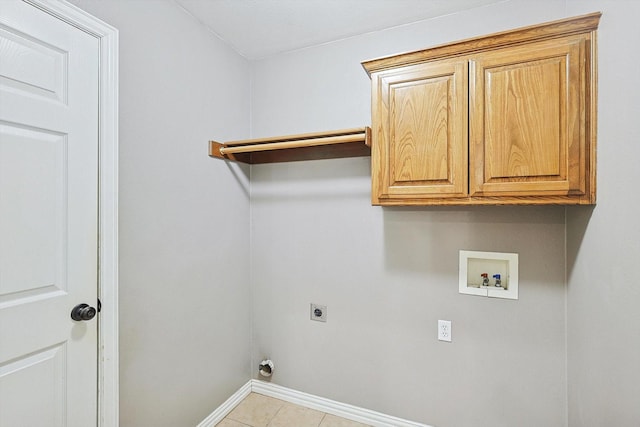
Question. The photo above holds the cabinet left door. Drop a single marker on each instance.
(419, 119)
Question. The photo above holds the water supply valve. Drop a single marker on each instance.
(485, 279)
(498, 280)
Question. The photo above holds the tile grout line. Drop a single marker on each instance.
(324, 415)
(235, 421)
(276, 414)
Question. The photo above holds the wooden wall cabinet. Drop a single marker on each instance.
(508, 118)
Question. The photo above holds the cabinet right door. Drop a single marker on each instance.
(527, 119)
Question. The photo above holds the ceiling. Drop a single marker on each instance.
(261, 28)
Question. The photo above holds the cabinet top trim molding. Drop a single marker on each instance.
(548, 30)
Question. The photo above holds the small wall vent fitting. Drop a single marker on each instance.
(266, 368)
(319, 312)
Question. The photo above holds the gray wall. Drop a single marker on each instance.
(603, 244)
(184, 237)
(388, 274)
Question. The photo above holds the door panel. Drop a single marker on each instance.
(48, 219)
(46, 369)
(419, 127)
(32, 66)
(421, 150)
(34, 211)
(526, 108)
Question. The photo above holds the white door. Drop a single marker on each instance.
(48, 219)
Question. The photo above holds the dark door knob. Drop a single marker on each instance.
(83, 312)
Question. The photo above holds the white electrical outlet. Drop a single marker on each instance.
(319, 312)
(444, 330)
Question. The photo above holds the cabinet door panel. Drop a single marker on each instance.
(527, 107)
(419, 118)
(420, 122)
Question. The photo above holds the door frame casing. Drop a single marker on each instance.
(107, 36)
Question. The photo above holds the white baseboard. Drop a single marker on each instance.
(223, 410)
(332, 407)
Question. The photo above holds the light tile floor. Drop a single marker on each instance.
(257, 410)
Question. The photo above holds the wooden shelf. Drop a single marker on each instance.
(308, 146)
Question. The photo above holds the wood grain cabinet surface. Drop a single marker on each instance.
(508, 118)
